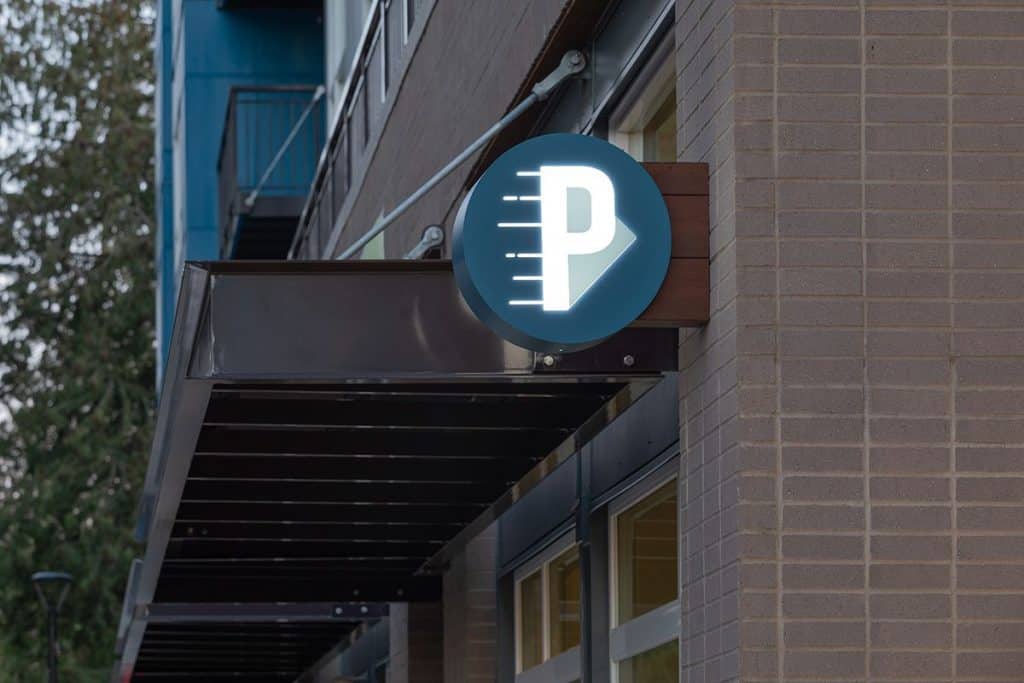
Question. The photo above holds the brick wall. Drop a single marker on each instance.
(880, 306)
(470, 612)
(708, 394)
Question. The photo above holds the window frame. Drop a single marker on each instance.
(561, 668)
(641, 103)
(664, 623)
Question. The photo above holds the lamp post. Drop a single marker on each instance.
(52, 588)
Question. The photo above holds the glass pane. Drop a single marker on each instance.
(648, 549)
(660, 132)
(660, 665)
(531, 621)
(564, 601)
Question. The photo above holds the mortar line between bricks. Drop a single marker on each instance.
(866, 448)
(954, 535)
(780, 633)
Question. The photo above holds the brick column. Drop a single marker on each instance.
(868, 332)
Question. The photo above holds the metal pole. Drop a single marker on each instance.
(51, 656)
(572, 63)
(583, 504)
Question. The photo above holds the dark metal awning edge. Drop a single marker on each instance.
(191, 375)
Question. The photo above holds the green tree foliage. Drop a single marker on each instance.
(76, 317)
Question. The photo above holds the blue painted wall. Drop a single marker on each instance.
(203, 51)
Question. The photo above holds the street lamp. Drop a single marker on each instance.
(52, 588)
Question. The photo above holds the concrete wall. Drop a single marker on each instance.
(880, 312)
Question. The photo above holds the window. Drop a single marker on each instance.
(644, 564)
(548, 615)
(644, 124)
(648, 550)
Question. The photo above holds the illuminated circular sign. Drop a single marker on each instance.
(564, 241)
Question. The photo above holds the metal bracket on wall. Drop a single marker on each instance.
(433, 237)
(573, 62)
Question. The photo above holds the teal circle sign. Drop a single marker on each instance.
(564, 241)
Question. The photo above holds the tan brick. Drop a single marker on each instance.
(910, 518)
(819, 136)
(988, 23)
(819, 22)
(917, 666)
(907, 313)
(818, 107)
(909, 459)
(821, 342)
(825, 665)
(990, 548)
(1000, 139)
(988, 314)
(825, 634)
(987, 81)
(990, 606)
(907, 284)
(1006, 666)
(823, 371)
(821, 312)
(821, 281)
(913, 548)
(909, 635)
(990, 430)
(819, 165)
(989, 255)
(981, 459)
(822, 488)
(990, 577)
(985, 52)
(823, 517)
(907, 224)
(916, 402)
(990, 518)
(897, 343)
(990, 401)
(990, 371)
(886, 109)
(989, 343)
(906, 80)
(819, 223)
(907, 489)
(911, 606)
(909, 430)
(823, 606)
(823, 576)
(987, 489)
(797, 194)
(819, 51)
(988, 109)
(905, 50)
(990, 636)
(825, 547)
(825, 401)
(909, 576)
(908, 371)
(900, 137)
(822, 429)
(905, 22)
(904, 166)
(905, 196)
(819, 79)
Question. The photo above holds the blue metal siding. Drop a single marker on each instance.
(213, 50)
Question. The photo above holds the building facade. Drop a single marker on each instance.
(825, 484)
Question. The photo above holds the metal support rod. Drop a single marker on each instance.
(317, 94)
(572, 63)
(583, 504)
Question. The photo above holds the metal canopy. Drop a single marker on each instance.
(332, 432)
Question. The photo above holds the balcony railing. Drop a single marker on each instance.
(272, 139)
(379, 64)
